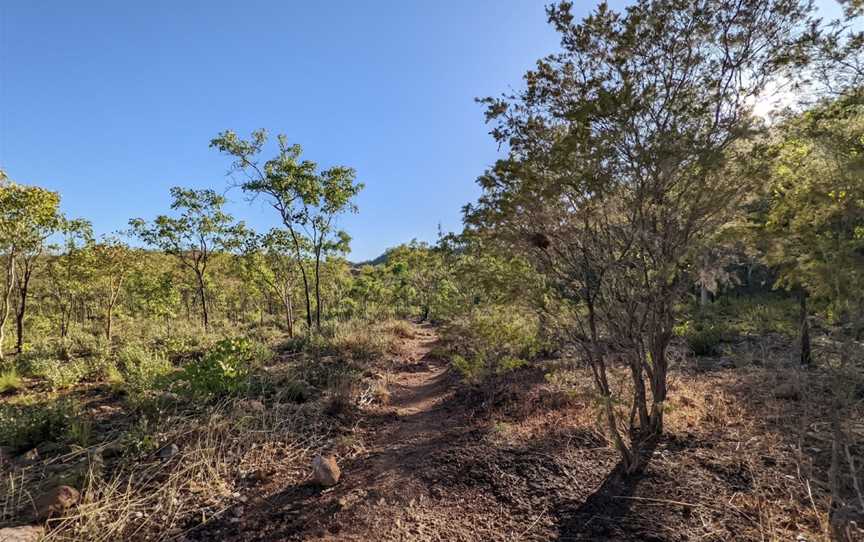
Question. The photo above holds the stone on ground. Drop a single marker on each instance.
(325, 471)
(56, 501)
(24, 533)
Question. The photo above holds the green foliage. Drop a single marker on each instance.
(143, 370)
(10, 381)
(60, 374)
(224, 370)
(491, 340)
(812, 213)
(23, 426)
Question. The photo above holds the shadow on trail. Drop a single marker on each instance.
(605, 514)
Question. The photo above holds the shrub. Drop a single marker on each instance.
(24, 426)
(141, 369)
(491, 340)
(9, 381)
(356, 340)
(59, 374)
(223, 370)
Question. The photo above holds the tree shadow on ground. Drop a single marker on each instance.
(603, 515)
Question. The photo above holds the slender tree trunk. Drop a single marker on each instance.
(658, 385)
(203, 296)
(289, 316)
(109, 322)
(806, 352)
(703, 295)
(7, 299)
(23, 288)
(640, 401)
(318, 287)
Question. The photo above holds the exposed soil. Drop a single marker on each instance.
(444, 461)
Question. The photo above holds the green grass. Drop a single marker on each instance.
(9, 381)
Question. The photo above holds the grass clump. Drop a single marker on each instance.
(24, 426)
(10, 381)
(140, 369)
(224, 369)
(491, 341)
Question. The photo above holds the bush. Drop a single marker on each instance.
(491, 340)
(225, 369)
(356, 340)
(24, 426)
(141, 369)
(60, 374)
(9, 381)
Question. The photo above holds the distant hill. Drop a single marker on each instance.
(377, 261)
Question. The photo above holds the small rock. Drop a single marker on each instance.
(24, 533)
(169, 451)
(31, 455)
(5, 456)
(789, 391)
(325, 471)
(56, 501)
(250, 406)
(113, 449)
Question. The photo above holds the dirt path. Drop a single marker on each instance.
(379, 488)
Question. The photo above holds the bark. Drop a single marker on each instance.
(318, 287)
(806, 352)
(7, 298)
(203, 297)
(703, 295)
(289, 316)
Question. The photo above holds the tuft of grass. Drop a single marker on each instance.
(10, 381)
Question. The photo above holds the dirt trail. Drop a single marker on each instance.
(390, 478)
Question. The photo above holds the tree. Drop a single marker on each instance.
(71, 269)
(114, 260)
(625, 152)
(268, 259)
(308, 200)
(812, 217)
(28, 216)
(201, 229)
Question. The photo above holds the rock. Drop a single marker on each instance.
(789, 391)
(113, 449)
(24, 533)
(250, 406)
(169, 451)
(325, 471)
(5, 456)
(55, 501)
(31, 455)
(847, 524)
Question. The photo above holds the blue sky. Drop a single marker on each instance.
(111, 103)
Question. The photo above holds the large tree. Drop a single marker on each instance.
(626, 150)
(28, 216)
(308, 200)
(201, 228)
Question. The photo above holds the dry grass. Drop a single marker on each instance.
(157, 499)
(748, 451)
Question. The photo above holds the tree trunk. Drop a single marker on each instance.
(7, 298)
(703, 295)
(318, 287)
(658, 386)
(109, 321)
(203, 296)
(289, 316)
(22, 311)
(806, 352)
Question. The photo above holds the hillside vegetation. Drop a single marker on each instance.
(650, 327)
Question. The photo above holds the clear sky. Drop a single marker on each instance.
(111, 103)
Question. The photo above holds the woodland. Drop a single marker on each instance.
(649, 328)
